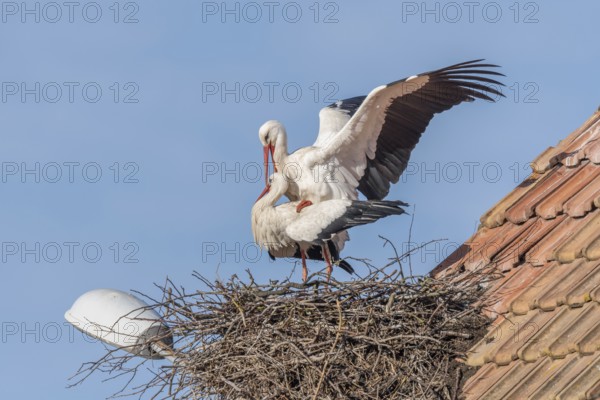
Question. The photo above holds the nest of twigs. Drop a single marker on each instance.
(383, 336)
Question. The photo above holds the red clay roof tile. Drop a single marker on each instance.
(590, 342)
(582, 382)
(593, 152)
(555, 293)
(485, 378)
(593, 392)
(572, 333)
(574, 142)
(543, 241)
(540, 344)
(487, 247)
(508, 381)
(529, 297)
(582, 292)
(558, 376)
(532, 381)
(501, 344)
(545, 248)
(572, 154)
(522, 210)
(592, 251)
(509, 288)
(496, 216)
(542, 162)
(583, 201)
(574, 245)
(530, 234)
(554, 204)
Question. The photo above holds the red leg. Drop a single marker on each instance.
(304, 269)
(327, 257)
(303, 204)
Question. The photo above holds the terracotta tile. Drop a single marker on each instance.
(589, 123)
(521, 334)
(452, 263)
(515, 283)
(532, 381)
(545, 265)
(474, 244)
(593, 392)
(495, 293)
(496, 215)
(553, 205)
(581, 147)
(523, 209)
(574, 245)
(503, 237)
(528, 298)
(558, 153)
(572, 332)
(570, 154)
(556, 292)
(515, 375)
(531, 233)
(596, 294)
(582, 292)
(541, 163)
(590, 342)
(592, 251)
(592, 151)
(583, 202)
(586, 381)
(498, 334)
(545, 248)
(482, 380)
(539, 345)
(575, 154)
(558, 376)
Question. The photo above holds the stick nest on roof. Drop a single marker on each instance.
(380, 337)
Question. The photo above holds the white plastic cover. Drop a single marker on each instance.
(119, 319)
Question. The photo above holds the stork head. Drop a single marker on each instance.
(268, 134)
(276, 183)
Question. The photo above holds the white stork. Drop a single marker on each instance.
(364, 143)
(283, 231)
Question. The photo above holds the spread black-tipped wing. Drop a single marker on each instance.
(361, 213)
(335, 116)
(375, 144)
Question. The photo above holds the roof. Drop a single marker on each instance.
(542, 243)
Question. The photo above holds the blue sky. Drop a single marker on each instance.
(129, 150)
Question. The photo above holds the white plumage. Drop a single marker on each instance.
(283, 231)
(364, 143)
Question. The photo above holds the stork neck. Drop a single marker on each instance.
(281, 149)
(269, 199)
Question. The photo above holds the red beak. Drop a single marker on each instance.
(266, 157)
(272, 149)
(266, 150)
(265, 191)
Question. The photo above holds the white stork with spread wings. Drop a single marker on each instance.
(283, 231)
(364, 143)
